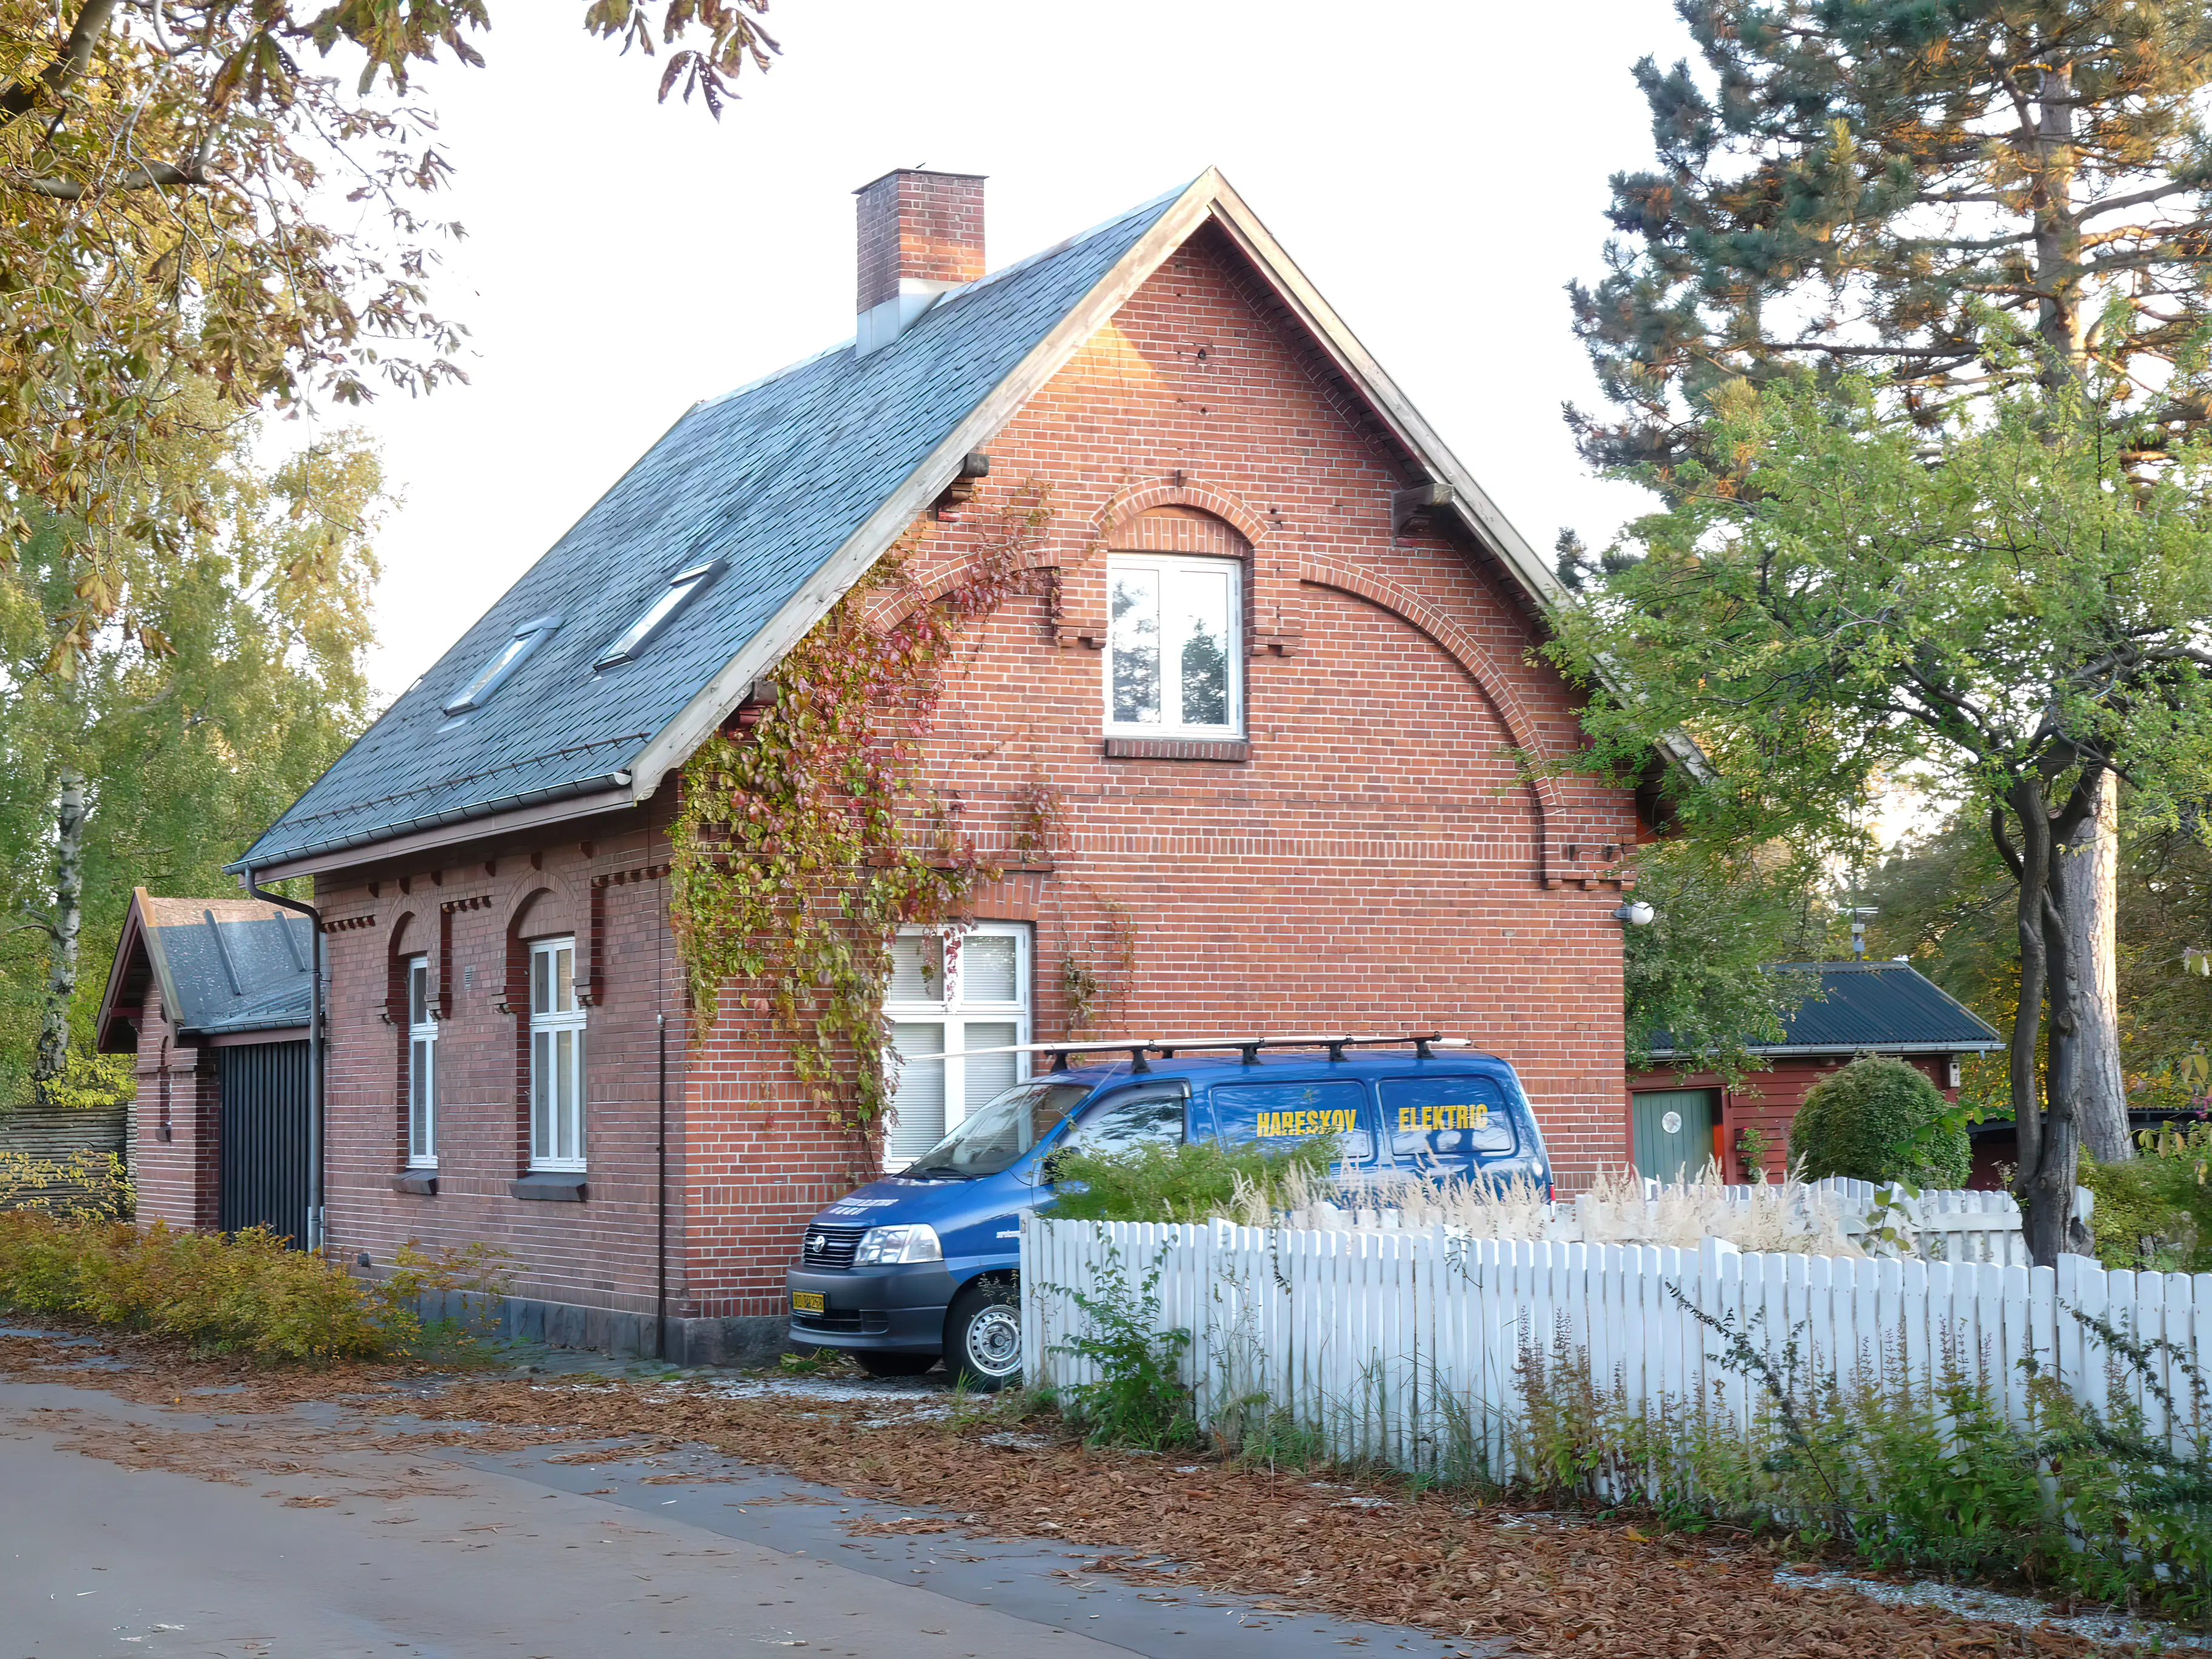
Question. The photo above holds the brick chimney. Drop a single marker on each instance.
(920, 234)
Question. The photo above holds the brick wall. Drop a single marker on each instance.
(177, 1177)
(474, 912)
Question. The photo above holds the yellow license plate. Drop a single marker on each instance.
(806, 1302)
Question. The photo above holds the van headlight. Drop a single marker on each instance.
(883, 1245)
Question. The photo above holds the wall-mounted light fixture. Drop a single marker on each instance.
(1634, 913)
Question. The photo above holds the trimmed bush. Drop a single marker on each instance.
(242, 1293)
(1880, 1120)
(2155, 1211)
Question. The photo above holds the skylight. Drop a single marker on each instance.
(510, 656)
(682, 588)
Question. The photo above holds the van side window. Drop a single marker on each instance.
(1283, 1115)
(1141, 1117)
(1448, 1120)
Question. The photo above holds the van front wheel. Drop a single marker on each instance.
(983, 1336)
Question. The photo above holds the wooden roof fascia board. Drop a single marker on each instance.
(1354, 361)
(157, 956)
(247, 1037)
(1801, 1050)
(697, 721)
(1471, 503)
(459, 833)
(133, 935)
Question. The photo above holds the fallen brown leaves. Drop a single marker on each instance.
(1430, 1560)
(1369, 1551)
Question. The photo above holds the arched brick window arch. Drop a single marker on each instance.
(409, 937)
(1178, 529)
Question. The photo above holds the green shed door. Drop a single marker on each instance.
(1673, 1131)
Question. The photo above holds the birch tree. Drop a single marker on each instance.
(229, 675)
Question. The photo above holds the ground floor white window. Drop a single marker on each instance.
(952, 990)
(422, 1067)
(556, 1058)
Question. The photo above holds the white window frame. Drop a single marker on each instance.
(954, 1012)
(1173, 635)
(548, 1022)
(665, 606)
(422, 1066)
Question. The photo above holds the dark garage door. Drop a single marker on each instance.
(265, 1137)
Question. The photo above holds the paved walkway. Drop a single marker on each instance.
(368, 1548)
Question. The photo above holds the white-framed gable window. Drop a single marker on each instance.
(952, 989)
(1174, 658)
(422, 1067)
(556, 1058)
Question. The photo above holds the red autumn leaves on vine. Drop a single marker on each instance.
(809, 835)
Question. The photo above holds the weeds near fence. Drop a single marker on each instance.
(2073, 1501)
(242, 1293)
(1138, 1398)
(1193, 1181)
(1782, 1215)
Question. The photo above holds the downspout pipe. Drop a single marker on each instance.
(660, 1251)
(314, 1241)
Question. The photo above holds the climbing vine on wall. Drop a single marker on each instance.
(808, 834)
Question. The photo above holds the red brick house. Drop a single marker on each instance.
(1276, 664)
(1680, 1118)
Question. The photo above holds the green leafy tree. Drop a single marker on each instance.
(1858, 186)
(1700, 979)
(230, 675)
(2012, 617)
(1880, 1120)
(190, 194)
(1945, 901)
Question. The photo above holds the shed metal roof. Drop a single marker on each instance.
(223, 965)
(1890, 1007)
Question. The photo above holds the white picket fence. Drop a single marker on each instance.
(1951, 1224)
(1403, 1344)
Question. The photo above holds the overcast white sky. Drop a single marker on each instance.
(1438, 170)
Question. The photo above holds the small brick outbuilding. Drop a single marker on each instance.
(210, 995)
(1679, 1119)
(1277, 664)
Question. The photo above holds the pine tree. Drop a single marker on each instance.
(1879, 186)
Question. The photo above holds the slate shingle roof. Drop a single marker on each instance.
(773, 478)
(1889, 1006)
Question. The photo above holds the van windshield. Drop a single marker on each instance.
(993, 1136)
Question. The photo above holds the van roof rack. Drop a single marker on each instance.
(1166, 1047)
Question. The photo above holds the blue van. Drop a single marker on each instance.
(924, 1262)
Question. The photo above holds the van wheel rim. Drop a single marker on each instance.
(994, 1342)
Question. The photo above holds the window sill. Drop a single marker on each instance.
(422, 1182)
(1234, 750)
(549, 1186)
